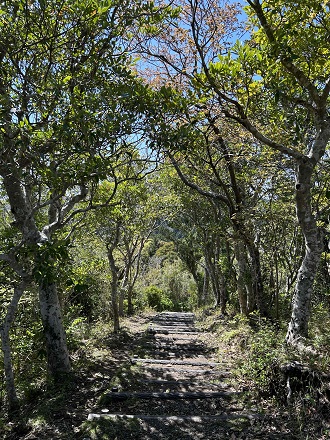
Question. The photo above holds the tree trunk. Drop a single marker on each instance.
(244, 287)
(257, 282)
(50, 309)
(130, 309)
(206, 283)
(111, 246)
(57, 353)
(298, 326)
(199, 280)
(114, 291)
(123, 287)
(121, 298)
(115, 309)
(223, 292)
(190, 260)
(277, 290)
(217, 280)
(13, 402)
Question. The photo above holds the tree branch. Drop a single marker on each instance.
(286, 62)
(245, 122)
(186, 181)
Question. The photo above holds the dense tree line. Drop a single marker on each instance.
(148, 159)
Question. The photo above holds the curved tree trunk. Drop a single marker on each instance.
(298, 326)
(50, 309)
(19, 198)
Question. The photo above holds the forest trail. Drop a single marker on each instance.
(173, 388)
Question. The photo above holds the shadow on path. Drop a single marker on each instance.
(173, 387)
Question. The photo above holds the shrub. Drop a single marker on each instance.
(265, 353)
(157, 299)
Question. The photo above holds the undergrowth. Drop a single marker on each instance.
(278, 375)
(255, 345)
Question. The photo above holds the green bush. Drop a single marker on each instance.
(75, 327)
(157, 299)
(265, 352)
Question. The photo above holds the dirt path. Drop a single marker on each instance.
(173, 388)
(158, 378)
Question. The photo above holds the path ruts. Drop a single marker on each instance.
(173, 388)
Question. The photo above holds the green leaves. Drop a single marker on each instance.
(296, 33)
(50, 258)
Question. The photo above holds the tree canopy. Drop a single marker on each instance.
(184, 143)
